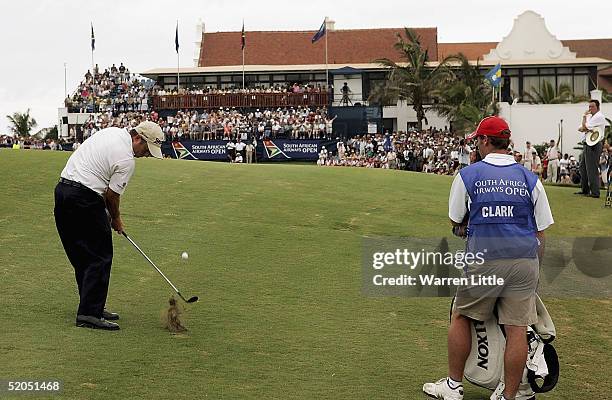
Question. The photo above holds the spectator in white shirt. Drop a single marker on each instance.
(552, 154)
(593, 118)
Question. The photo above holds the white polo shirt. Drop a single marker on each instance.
(595, 120)
(459, 200)
(105, 160)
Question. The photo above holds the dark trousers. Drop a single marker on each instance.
(589, 168)
(84, 228)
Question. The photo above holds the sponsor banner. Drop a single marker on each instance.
(267, 149)
(287, 149)
(196, 150)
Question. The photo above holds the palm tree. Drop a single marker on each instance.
(466, 98)
(415, 82)
(21, 123)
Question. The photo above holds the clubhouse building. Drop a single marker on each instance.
(529, 55)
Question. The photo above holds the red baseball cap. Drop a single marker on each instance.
(491, 126)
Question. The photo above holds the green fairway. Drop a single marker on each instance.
(275, 256)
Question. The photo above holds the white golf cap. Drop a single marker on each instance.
(153, 135)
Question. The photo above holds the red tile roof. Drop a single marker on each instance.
(591, 47)
(583, 48)
(352, 46)
(473, 51)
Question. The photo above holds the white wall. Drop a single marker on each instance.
(538, 123)
(355, 85)
(73, 119)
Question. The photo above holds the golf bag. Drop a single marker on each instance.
(485, 364)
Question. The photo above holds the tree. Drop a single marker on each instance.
(466, 98)
(416, 81)
(52, 133)
(21, 123)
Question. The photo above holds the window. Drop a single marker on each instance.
(196, 79)
(264, 78)
(210, 79)
(581, 85)
(319, 77)
(278, 78)
(514, 86)
(293, 78)
(531, 84)
(549, 79)
(169, 79)
(377, 75)
(226, 78)
(564, 80)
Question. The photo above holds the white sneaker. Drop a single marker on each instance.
(441, 390)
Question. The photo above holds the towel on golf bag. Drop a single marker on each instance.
(485, 364)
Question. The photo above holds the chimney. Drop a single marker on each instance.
(331, 24)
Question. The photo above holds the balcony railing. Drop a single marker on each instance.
(239, 100)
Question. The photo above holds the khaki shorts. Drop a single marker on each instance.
(515, 299)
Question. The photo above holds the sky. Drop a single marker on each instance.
(41, 40)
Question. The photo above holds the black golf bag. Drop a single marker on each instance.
(485, 364)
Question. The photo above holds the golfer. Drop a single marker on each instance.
(87, 207)
(508, 212)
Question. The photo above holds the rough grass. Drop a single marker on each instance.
(275, 256)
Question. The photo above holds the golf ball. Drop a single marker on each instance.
(184, 256)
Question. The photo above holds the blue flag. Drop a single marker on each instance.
(93, 39)
(176, 43)
(494, 75)
(320, 33)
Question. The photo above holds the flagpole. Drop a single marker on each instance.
(243, 46)
(93, 75)
(326, 66)
(178, 63)
(65, 85)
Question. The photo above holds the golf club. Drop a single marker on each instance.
(190, 300)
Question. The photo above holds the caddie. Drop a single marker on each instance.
(508, 213)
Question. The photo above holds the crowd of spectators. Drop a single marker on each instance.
(226, 123)
(295, 88)
(438, 152)
(552, 166)
(433, 150)
(122, 99)
(115, 89)
(35, 143)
